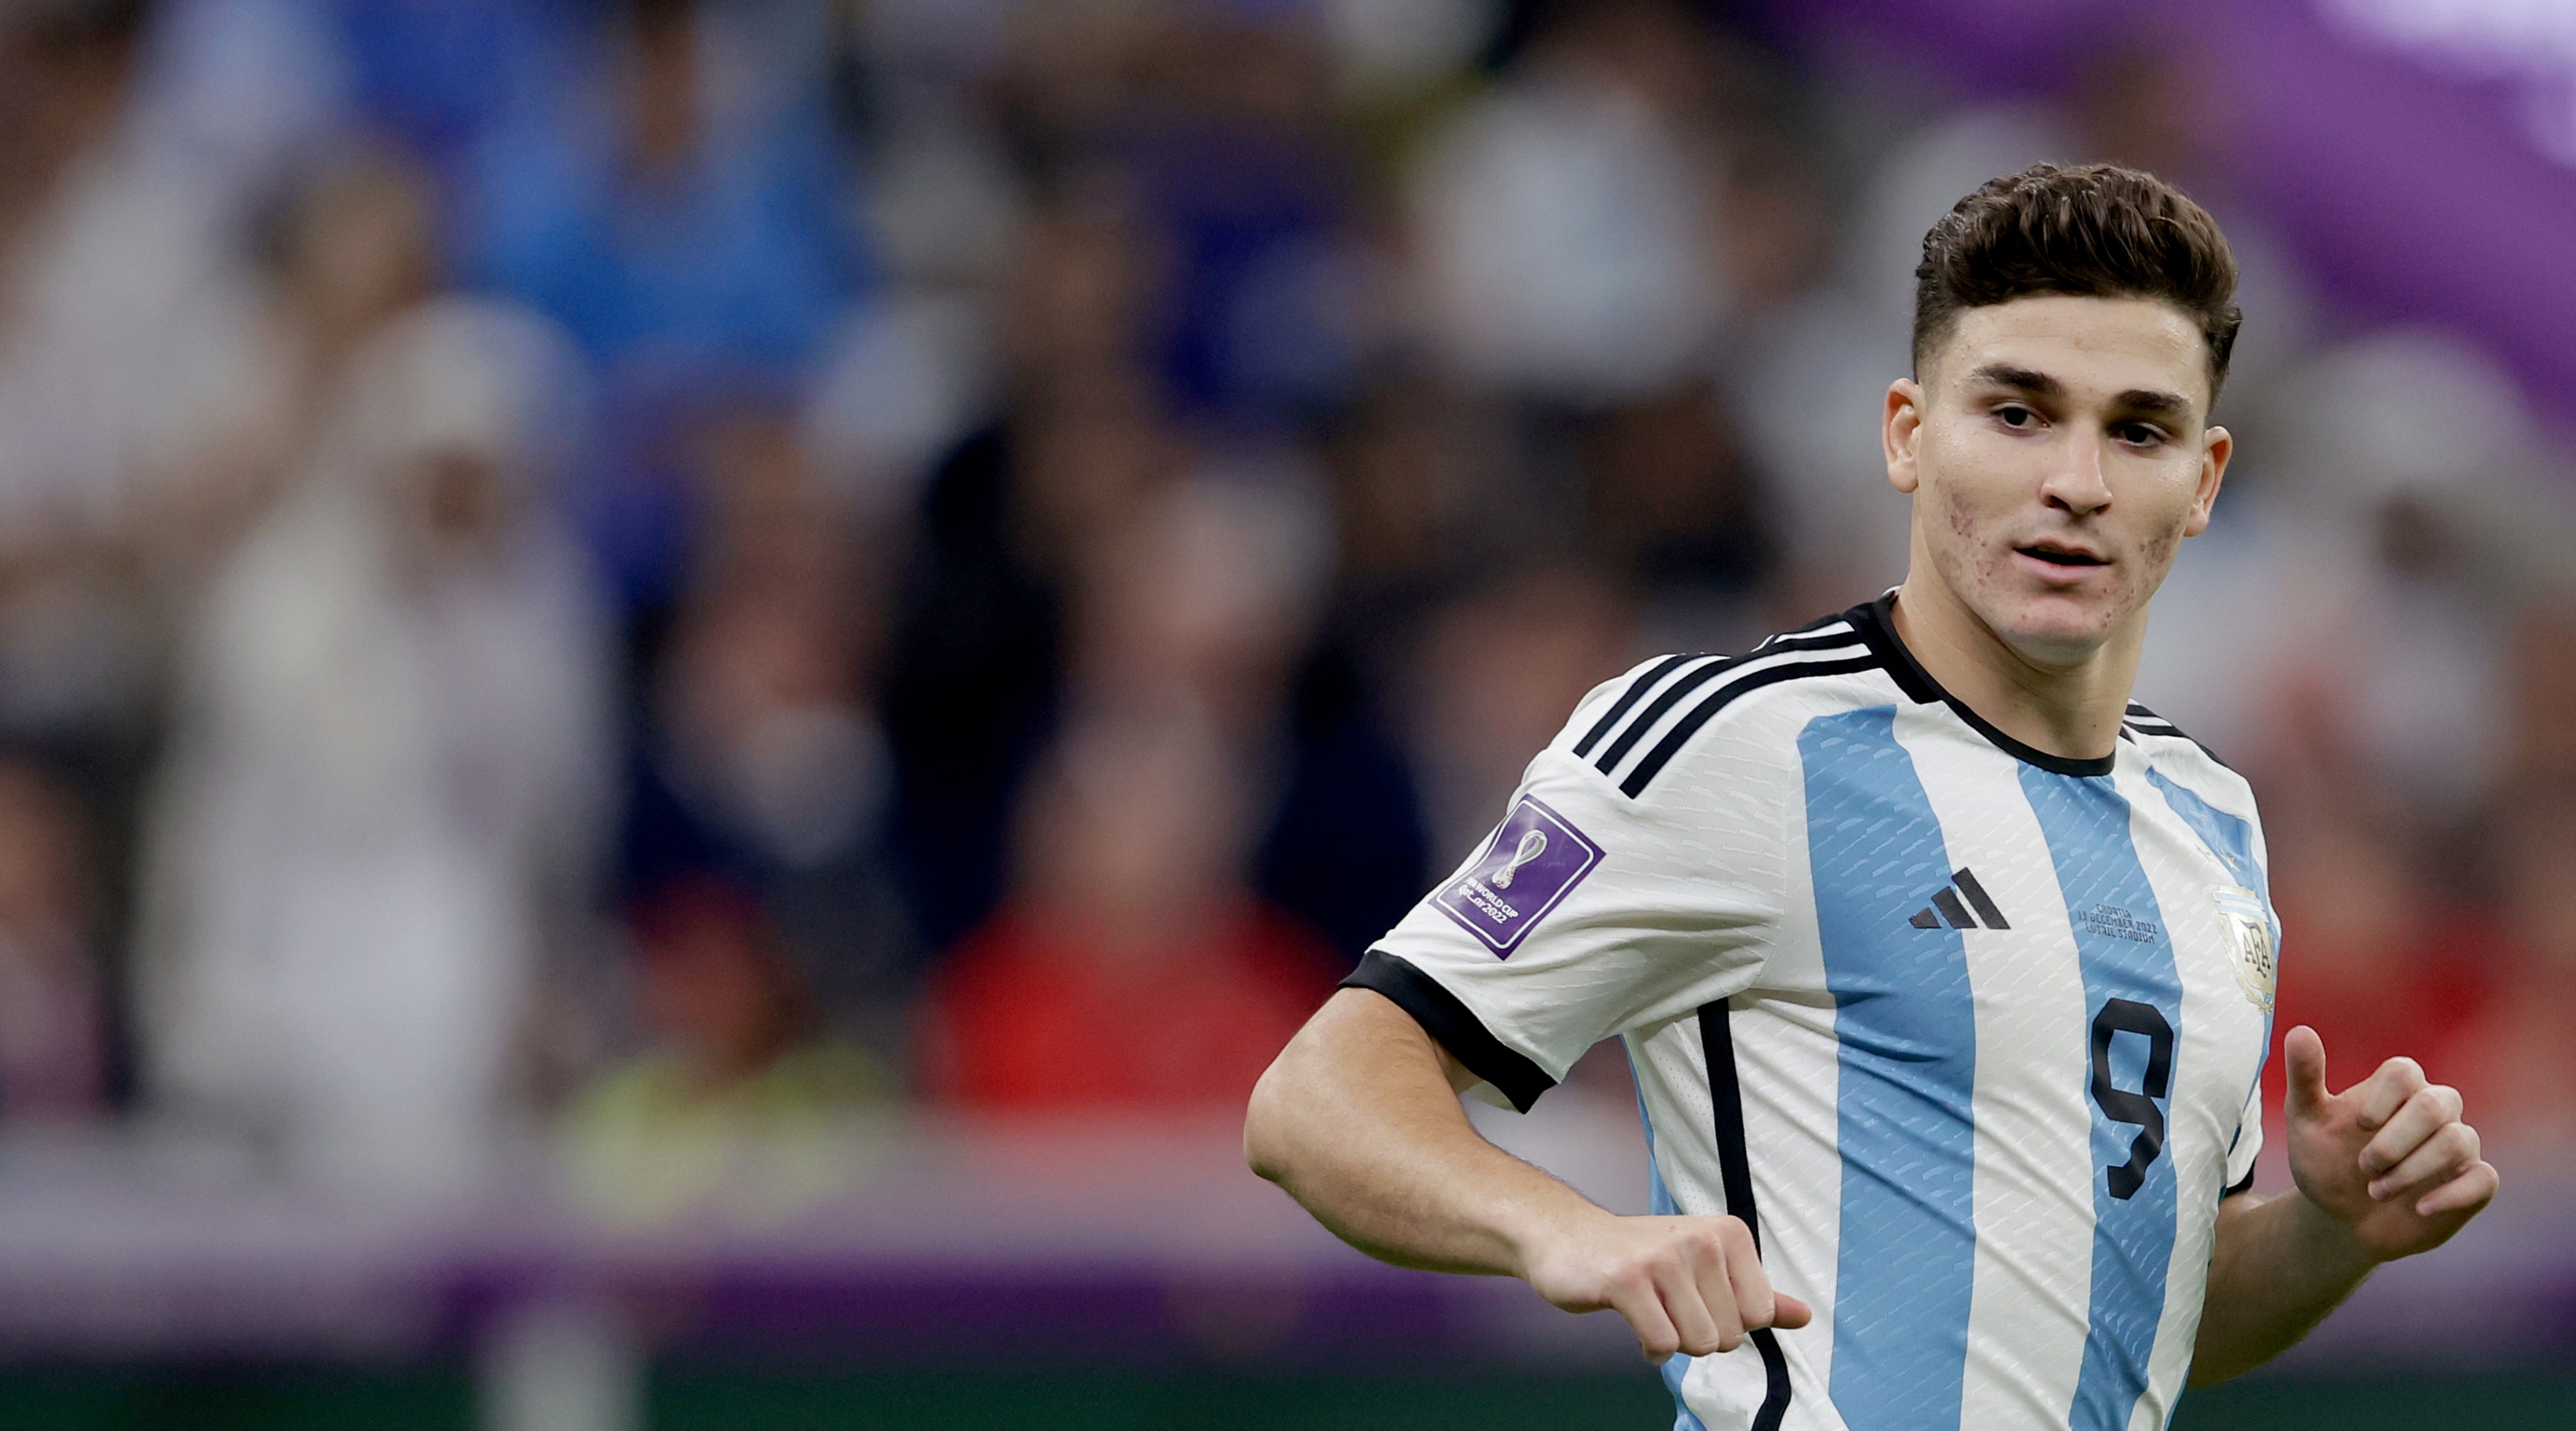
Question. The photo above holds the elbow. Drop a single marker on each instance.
(1265, 1119)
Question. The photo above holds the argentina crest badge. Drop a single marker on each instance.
(2248, 927)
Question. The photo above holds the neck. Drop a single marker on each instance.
(2071, 710)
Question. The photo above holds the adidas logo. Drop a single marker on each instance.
(1946, 905)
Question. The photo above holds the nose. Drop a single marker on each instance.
(2076, 484)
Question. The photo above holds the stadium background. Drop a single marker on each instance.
(686, 688)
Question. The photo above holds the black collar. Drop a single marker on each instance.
(1877, 627)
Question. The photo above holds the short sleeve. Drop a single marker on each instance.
(1588, 912)
(2248, 1144)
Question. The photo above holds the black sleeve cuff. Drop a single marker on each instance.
(2244, 1184)
(1449, 1021)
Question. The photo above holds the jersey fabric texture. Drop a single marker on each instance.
(1970, 1034)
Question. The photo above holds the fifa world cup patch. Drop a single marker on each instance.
(1536, 858)
(2249, 941)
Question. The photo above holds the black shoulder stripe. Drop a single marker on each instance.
(1706, 710)
(1454, 1024)
(2147, 722)
(1819, 641)
(1807, 639)
(1645, 719)
(1636, 690)
(2243, 1184)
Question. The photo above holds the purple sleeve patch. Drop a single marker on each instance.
(1535, 860)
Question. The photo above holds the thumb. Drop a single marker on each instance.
(2307, 1059)
(1789, 1313)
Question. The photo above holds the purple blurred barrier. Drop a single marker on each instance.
(1091, 1246)
(2410, 187)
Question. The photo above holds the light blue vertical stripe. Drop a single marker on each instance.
(2227, 837)
(1659, 1201)
(2126, 952)
(2232, 840)
(1907, 1028)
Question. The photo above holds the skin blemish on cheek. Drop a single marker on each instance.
(1955, 511)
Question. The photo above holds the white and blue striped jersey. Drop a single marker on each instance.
(1972, 1035)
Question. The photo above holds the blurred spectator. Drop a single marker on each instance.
(672, 225)
(1671, 499)
(384, 799)
(1200, 598)
(1131, 972)
(127, 340)
(1567, 223)
(1414, 464)
(350, 245)
(1260, 321)
(762, 758)
(2518, 1065)
(440, 76)
(1499, 671)
(2407, 454)
(126, 316)
(1205, 608)
(682, 212)
(2379, 956)
(742, 1089)
(1006, 520)
(52, 1025)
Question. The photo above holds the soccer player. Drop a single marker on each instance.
(1945, 972)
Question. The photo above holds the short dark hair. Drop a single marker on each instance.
(2092, 230)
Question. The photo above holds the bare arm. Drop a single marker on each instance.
(2385, 1169)
(1359, 1121)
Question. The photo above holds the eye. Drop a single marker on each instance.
(2017, 417)
(2139, 434)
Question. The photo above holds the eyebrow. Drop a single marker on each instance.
(2149, 402)
(2007, 376)
(2144, 401)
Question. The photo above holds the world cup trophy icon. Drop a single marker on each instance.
(1533, 845)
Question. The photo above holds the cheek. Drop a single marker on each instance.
(1956, 513)
(2159, 549)
(1966, 520)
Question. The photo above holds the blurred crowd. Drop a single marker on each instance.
(674, 570)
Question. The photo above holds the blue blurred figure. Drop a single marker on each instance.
(681, 213)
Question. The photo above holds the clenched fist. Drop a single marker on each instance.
(1685, 1284)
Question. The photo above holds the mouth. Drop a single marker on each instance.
(2059, 554)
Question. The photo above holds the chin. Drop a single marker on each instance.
(2051, 631)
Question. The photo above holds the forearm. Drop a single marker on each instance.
(1359, 1121)
(2280, 1266)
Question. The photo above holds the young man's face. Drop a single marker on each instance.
(2057, 452)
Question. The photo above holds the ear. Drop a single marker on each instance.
(1900, 428)
(2217, 445)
